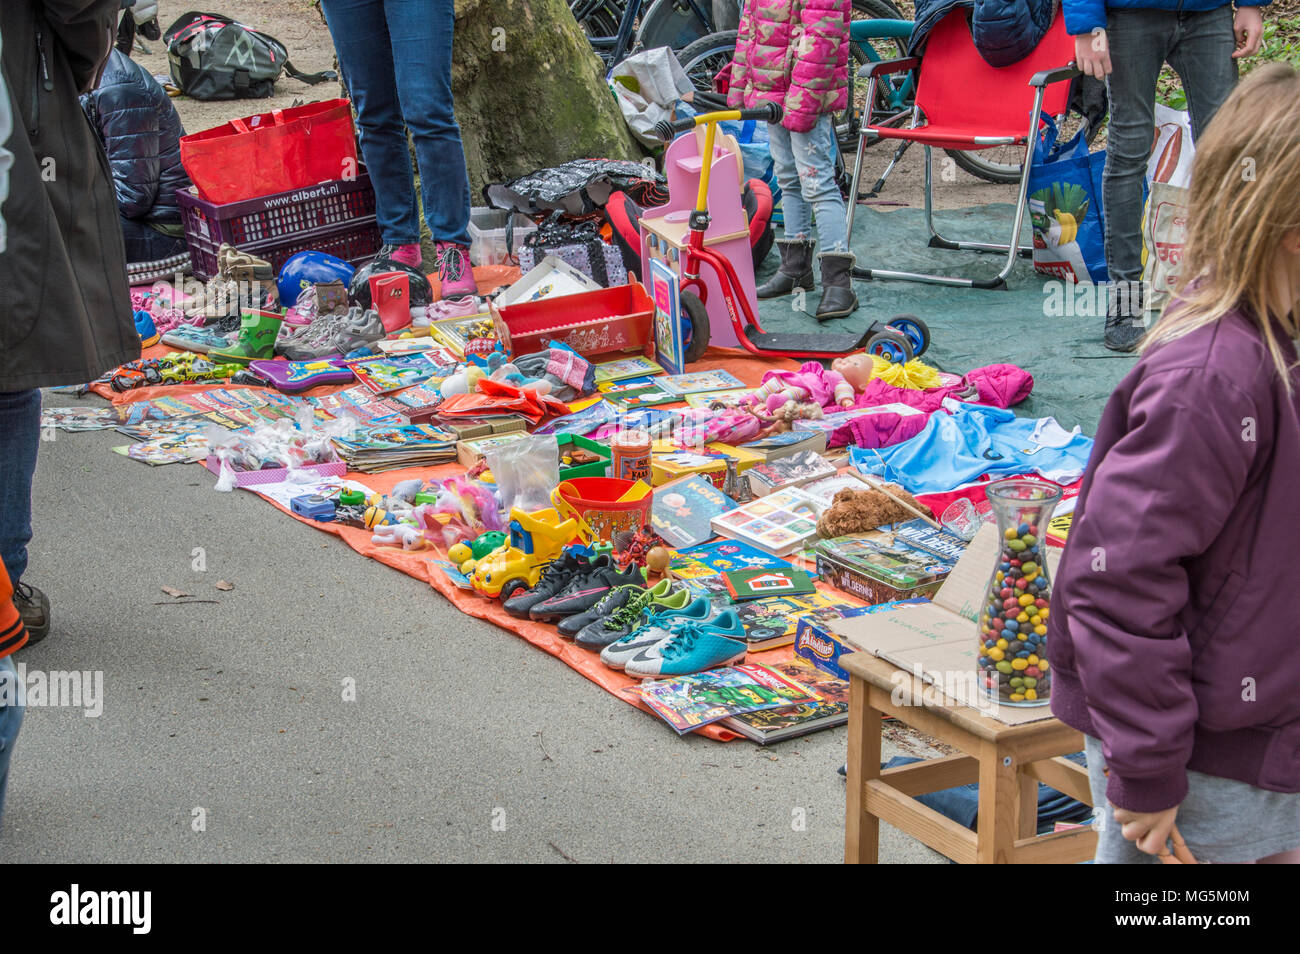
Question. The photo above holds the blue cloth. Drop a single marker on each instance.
(20, 436)
(146, 244)
(812, 191)
(1004, 31)
(961, 804)
(11, 719)
(973, 440)
(141, 133)
(395, 56)
(1084, 16)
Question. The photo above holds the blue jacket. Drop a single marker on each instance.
(1004, 31)
(141, 133)
(1084, 16)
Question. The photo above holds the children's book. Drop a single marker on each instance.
(641, 395)
(396, 371)
(721, 556)
(416, 405)
(775, 446)
(793, 471)
(634, 367)
(688, 702)
(358, 401)
(376, 449)
(698, 382)
(938, 543)
(717, 399)
(682, 511)
(670, 345)
(830, 709)
(754, 584)
(777, 524)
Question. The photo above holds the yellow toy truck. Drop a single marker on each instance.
(535, 540)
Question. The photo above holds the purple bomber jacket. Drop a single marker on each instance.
(1175, 627)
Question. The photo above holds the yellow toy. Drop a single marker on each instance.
(535, 540)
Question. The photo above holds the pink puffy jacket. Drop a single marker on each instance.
(794, 53)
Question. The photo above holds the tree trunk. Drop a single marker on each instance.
(529, 91)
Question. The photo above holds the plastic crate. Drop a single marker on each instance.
(487, 235)
(336, 217)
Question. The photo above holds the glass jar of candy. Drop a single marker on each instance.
(1013, 666)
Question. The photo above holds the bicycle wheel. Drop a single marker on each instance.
(706, 57)
(673, 23)
(862, 52)
(597, 17)
(1003, 163)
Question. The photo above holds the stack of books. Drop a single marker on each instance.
(375, 449)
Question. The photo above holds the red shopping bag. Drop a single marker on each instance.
(272, 152)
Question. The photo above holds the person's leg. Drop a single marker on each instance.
(20, 436)
(814, 159)
(360, 33)
(421, 37)
(1139, 41)
(1202, 57)
(145, 244)
(11, 719)
(1291, 857)
(796, 212)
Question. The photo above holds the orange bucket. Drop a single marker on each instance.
(604, 505)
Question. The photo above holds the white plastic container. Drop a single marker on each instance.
(487, 235)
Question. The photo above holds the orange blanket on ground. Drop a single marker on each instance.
(745, 366)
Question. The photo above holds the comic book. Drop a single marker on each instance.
(721, 556)
(397, 371)
(766, 726)
(688, 702)
(682, 511)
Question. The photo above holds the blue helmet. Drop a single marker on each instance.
(310, 268)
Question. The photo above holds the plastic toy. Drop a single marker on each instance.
(466, 554)
(313, 506)
(400, 534)
(390, 294)
(717, 282)
(535, 540)
(291, 377)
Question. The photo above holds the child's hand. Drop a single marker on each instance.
(1148, 830)
(1248, 29)
(1092, 54)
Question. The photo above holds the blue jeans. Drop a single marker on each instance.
(20, 435)
(1198, 45)
(11, 719)
(804, 164)
(395, 56)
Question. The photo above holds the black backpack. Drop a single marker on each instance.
(213, 57)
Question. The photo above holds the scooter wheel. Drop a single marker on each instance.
(695, 327)
(891, 345)
(915, 330)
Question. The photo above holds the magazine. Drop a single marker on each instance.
(765, 726)
(688, 702)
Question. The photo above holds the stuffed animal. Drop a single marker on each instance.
(856, 511)
(399, 534)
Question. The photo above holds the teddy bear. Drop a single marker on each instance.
(856, 511)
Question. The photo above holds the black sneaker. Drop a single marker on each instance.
(34, 608)
(585, 591)
(1125, 318)
(615, 599)
(555, 577)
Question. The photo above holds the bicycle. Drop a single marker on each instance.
(616, 28)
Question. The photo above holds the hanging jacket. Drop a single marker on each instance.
(794, 53)
(141, 133)
(65, 308)
(1004, 31)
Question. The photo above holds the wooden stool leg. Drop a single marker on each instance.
(1000, 817)
(861, 831)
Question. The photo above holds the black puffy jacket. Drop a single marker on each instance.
(1005, 31)
(141, 133)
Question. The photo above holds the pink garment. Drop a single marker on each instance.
(794, 53)
(819, 383)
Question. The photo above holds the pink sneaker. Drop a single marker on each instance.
(454, 271)
(402, 254)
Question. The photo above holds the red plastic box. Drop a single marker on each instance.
(592, 323)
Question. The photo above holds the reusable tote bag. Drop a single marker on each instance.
(1065, 208)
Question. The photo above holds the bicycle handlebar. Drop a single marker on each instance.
(767, 113)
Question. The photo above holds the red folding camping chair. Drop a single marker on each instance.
(963, 103)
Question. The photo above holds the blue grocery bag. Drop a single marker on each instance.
(1065, 208)
(751, 137)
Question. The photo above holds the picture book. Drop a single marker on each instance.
(717, 399)
(778, 523)
(683, 510)
(358, 401)
(639, 395)
(417, 404)
(670, 462)
(753, 584)
(396, 371)
(775, 446)
(433, 348)
(627, 384)
(670, 344)
(634, 367)
(938, 543)
(721, 556)
(830, 709)
(79, 418)
(793, 471)
(688, 702)
(698, 382)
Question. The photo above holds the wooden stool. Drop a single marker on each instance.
(1008, 762)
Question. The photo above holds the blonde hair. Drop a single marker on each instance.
(1245, 197)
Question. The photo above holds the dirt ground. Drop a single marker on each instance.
(297, 24)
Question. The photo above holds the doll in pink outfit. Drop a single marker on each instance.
(811, 383)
